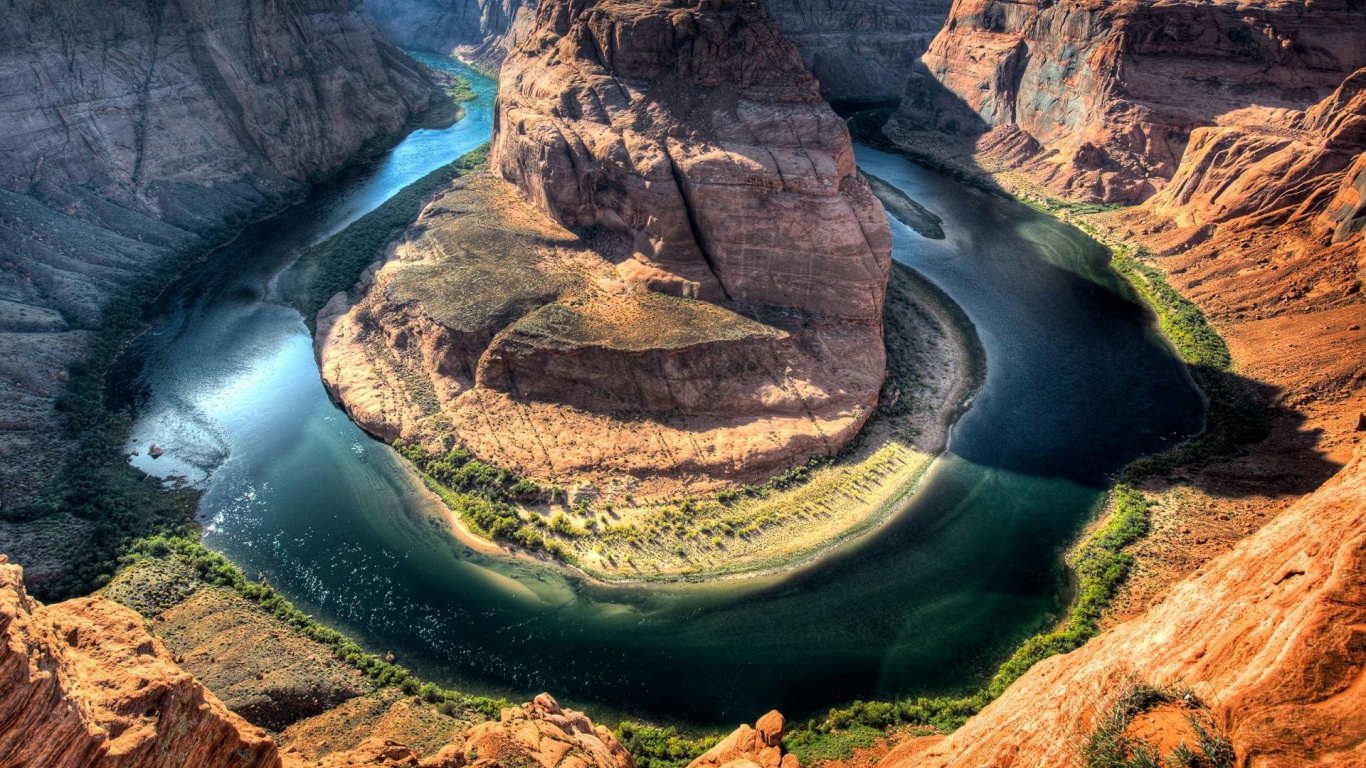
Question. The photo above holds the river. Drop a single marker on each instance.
(1078, 383)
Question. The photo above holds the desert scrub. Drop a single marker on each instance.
(1109, 744)
(485, 497)
(213, 569)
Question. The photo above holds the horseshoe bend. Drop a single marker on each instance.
(564, 384)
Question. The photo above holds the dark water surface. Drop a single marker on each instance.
(1078, 384)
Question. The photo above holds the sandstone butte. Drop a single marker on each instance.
(672, 278)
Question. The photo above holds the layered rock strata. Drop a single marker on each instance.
(135, 133)
(85, 685)
(1252, 206)
(1271, 634)
(696, 134)
(860, 51)
(1098, 100)
(494, 328)
(690, 294)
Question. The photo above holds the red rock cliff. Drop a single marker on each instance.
(1098, 100)
(82, 684)
(694, 132)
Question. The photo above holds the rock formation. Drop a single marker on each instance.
(696, 160)
(860, 51)
(757, 747)
(85, 685)
(1097, 100)
(541, 733)
(684, 129)
(136, 133)
(1270, 634)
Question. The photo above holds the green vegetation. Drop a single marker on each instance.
(485, 498)
(334, 264)
(93, 482)
(1236, 416)
(814, 747)
(654, 747)
(213, 569)
(1108, 746)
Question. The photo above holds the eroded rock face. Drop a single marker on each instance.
(1270, 634)
(82, 684)
(136, 132)
(694, 132)
(475, 29)
(1098, 100)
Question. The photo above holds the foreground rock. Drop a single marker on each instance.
(697, 161)
(83, 684)
(541, 733)
(1269, 634)
(748, 747)
(136, 133)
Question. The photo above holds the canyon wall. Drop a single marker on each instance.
(135, 133)
(860, 51)
(863, 50)
(1270, 634)
(476, 30)
(1239, 133)
(1097, 100)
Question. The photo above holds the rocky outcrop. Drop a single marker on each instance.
(540, 733)
(684, 128)
(1098, 100)
(1271, 635)
(746, 747)
(83, 684)
(136, 133)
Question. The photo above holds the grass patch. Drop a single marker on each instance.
(1109, 745)
(654, 747)
(213, 569)
(1236, 416)
(813, 747)
(334, 264)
